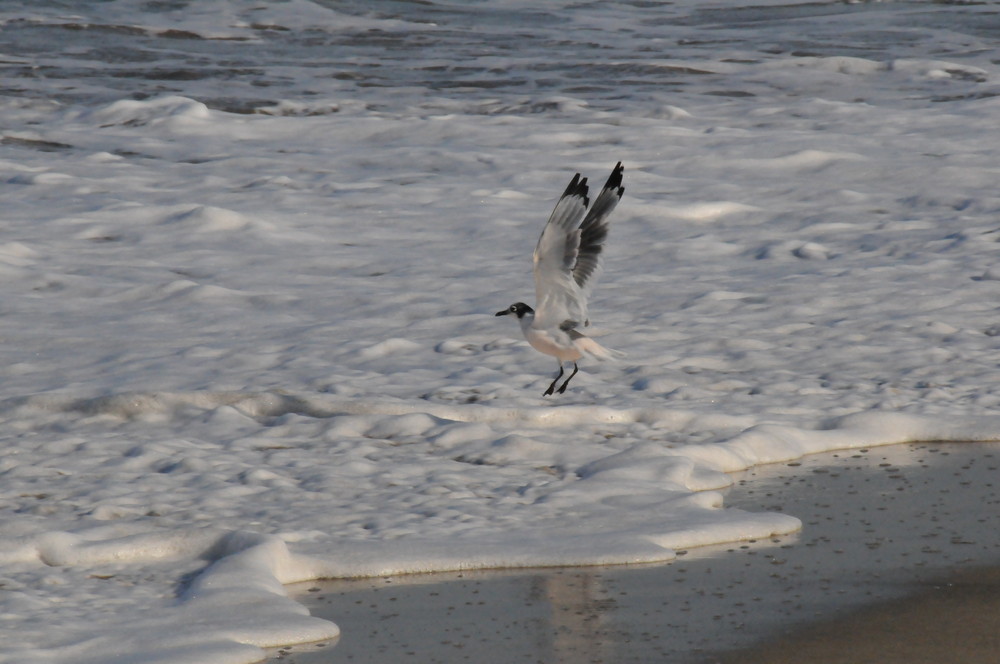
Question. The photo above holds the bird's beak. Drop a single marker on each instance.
(503, 313)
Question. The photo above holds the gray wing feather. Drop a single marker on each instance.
(556, 255)
(594, 229)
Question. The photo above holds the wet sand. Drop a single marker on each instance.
(896, 556)
(956, 619)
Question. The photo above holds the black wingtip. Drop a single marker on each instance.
(615, 179)
(578, 187)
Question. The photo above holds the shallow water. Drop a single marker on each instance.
(878, 524)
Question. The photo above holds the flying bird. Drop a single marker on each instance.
(567, 260)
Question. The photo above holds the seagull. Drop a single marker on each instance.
(567, 261)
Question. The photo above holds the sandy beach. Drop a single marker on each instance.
(893, 561)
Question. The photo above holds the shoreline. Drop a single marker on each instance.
(881, 528)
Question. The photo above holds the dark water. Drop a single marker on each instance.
(507, 58)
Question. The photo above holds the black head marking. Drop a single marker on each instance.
(518, 309)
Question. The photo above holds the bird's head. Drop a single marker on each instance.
(518, 309)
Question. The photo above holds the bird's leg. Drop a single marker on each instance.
(563, 388)
(552, 387)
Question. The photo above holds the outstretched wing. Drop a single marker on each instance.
(593, 232)
(567, 256)
(557, 296)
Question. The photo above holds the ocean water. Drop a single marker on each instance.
(251, 254)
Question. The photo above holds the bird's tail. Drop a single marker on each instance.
(595, 350)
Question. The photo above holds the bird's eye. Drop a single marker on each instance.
(513, 308)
